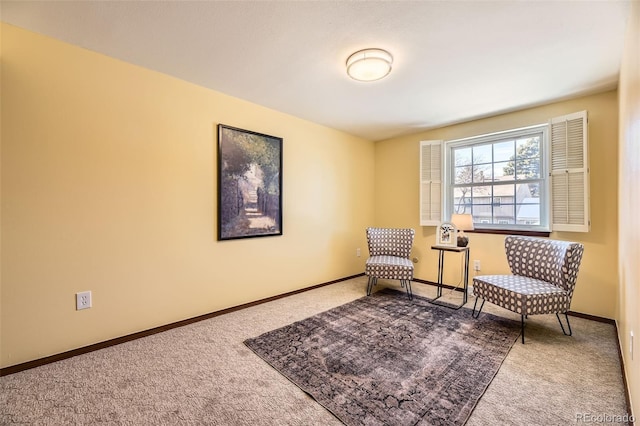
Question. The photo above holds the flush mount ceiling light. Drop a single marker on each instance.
(369, 64)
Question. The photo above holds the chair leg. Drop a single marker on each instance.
(568, 324)
(473, 312)
(370, 284)
(407, 284)
(522, 327)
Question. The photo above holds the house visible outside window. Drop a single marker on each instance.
(528, 179)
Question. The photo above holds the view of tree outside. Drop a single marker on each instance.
(249, 184)
(499, 182)
(526, 161)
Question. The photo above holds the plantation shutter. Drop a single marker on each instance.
(430, 183)
(569, 173)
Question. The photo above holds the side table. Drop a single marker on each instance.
(442, 250)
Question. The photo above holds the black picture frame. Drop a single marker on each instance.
(249, 184)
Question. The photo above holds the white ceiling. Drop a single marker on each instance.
(453, 60)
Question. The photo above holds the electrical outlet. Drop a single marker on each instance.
(83, 300)
(631, 344)
(358, 252)
(476, 265)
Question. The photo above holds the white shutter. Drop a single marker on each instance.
(569, 173)
(430, 183)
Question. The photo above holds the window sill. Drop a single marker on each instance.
(510, 232)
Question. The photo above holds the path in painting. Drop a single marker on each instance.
(256, 219)
(251, 221)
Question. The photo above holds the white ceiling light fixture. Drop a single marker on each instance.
(369, 64)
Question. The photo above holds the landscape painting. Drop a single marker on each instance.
(249, 184)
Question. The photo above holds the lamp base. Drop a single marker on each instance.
(463, 240)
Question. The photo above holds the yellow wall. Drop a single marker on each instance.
(629, 201)
(397, 199)
(109, 185)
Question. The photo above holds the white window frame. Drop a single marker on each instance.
(449, 175)
(564, 162)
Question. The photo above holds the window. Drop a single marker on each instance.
(528, 179)
(499, 179)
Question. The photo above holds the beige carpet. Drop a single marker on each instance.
(202, 374)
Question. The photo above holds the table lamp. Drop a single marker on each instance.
(464, 222)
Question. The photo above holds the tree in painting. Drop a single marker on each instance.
(249, 184)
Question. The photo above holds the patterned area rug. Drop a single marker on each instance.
(384, 359)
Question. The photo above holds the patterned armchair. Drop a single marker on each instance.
(544, 274)
(389, 256)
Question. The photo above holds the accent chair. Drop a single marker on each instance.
(389, 256)
(543, 277)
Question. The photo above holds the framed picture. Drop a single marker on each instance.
(447, 235)
(249, 184)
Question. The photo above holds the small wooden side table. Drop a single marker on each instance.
(442, 250)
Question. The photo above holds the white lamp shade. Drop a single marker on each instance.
(464, 222)
(369, 64)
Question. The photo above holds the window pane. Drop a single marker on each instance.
(528, 204)
(463, 175)
(482, 154)
(482, 194)
(506, 193)
(481, 207)
(462, 199)
(527, 164)
(481, 213)
(502, 204)
(528, 168)
(462, 156)
(504, 215)
(502, 171)
(528, 147)
(533, 189)
(528, 214)
(503, 151)
(482, 173)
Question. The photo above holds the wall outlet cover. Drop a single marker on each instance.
(83, 300)
(476, 265)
